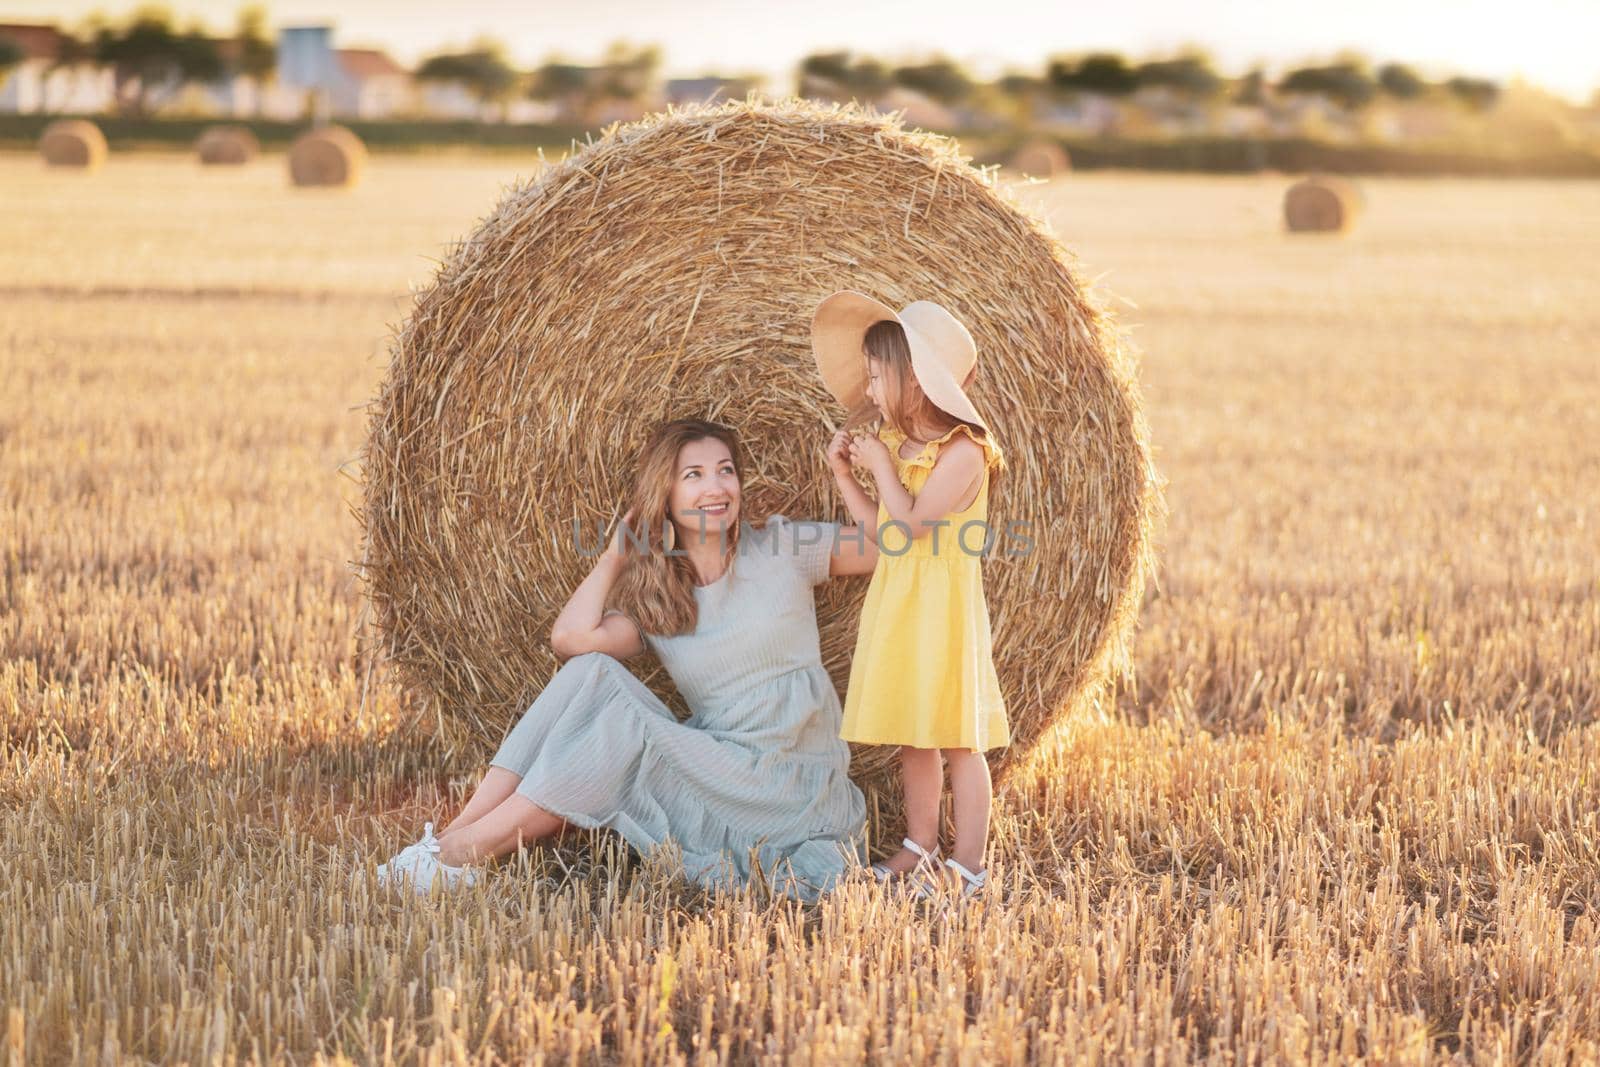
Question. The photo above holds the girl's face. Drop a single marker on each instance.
(878, 386)
(885, 387)
(704, 502)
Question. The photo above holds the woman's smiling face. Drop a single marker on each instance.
(705, 490)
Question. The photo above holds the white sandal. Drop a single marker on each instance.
(936, 885)
(971, 884)
(924, 858)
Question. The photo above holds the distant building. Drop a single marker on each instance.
(448, 100)
(371, 85)
(359, 83)
(1312, 116)
(973, 117)
(1173, 113)
(1238, 120)
(1083, 114)
(613, 110)
(305, 57)
(707, 90)
(581, 107)
(920, 111)
(42, 83)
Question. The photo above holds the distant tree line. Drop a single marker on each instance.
(624, 73)
(1349, 83)
(10, 55)
(153, 59)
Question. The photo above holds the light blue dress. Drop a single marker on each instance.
(756, 774)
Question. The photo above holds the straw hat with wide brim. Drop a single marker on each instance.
(943, 354)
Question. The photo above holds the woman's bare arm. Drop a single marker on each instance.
(855, 551)
(583, 624)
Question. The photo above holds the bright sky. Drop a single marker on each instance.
(1549, 42)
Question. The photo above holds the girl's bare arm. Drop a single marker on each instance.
(954, 477)
(862, 507)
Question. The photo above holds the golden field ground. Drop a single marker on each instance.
(1348, 810)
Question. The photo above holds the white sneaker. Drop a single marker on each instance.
(401, 860)
(419, 865)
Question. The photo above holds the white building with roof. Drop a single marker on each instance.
(42, 84)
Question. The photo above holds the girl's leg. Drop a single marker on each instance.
(498, 783)
(922, 781)
(515, 821)
(970, 796)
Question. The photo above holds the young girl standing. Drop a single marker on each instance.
(923, 674)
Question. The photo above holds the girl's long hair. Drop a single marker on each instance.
(657, 590)
(909, 409)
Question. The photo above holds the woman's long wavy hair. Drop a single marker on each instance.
(909, 409)
(657, 590)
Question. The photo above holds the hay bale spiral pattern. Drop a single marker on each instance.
(670, 269)
(1321, 205)
(73, 143)
(227, 145)
(330, 155)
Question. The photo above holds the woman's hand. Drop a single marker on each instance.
(839, 453)
(614, 549)
(583, 624)
(872, 454)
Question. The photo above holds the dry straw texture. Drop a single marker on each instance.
(1042, 159)
(227, 145)
(1321, 205)
(670, 269)
(73, 143)
(1349, 813)
(331, 155)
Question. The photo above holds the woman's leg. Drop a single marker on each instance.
(498, 783)
(521, 745)
(497, 817)
(970, 795)
(922, 782)
(515, 821)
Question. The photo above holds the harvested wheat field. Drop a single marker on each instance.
(1347, 809)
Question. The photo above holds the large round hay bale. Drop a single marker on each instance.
(1322, 204)
(227, 145)
(670, 269)
(1042, 159)
(329, 155)
(73, 143)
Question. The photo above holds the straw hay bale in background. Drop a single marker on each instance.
(73, 143)
(329, 155)
(227, 145)
(1042, 159)
(670, 269)
(1322, 204)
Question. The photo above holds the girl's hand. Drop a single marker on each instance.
(614, 549)
(839, 453)
(872, 454)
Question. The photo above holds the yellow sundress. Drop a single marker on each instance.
(923, 673)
